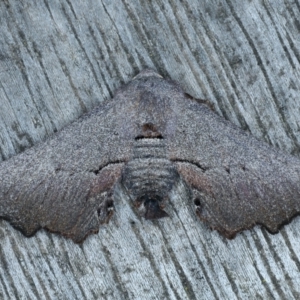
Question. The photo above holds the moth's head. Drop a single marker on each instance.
(149, 105)
(148, 131)
(151, 207)
(147, 73)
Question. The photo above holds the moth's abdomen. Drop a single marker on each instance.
(149, 176)
(149, 173)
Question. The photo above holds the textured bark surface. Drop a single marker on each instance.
(60, 59)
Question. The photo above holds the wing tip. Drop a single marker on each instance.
(231, 234)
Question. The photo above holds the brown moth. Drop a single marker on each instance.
(151, 136)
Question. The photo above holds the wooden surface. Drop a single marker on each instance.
(59, 59)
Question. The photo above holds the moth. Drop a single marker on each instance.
(150, 137)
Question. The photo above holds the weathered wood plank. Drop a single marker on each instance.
(59, 59)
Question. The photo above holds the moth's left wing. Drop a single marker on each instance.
(65, 184)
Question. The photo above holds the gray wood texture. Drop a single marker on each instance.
(59, 59)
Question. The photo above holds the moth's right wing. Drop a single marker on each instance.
(237, 181)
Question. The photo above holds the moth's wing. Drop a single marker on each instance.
(237, 181)
(65, 183)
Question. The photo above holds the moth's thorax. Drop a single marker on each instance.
(149, 175)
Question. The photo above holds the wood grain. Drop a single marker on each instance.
(59, 59)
